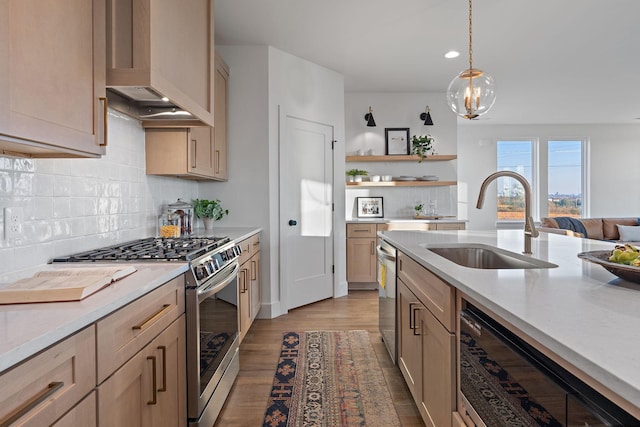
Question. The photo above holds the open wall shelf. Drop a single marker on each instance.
(402, 184)
(401, 158)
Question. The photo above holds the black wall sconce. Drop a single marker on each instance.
(426, 116)
(369, 118)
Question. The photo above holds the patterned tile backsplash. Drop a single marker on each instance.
(72, 205)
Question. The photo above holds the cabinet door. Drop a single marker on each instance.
(83, 414)
(409, 340)
(53, 65)
(200, 151)
(244, 311)
(148, 390)
(254, 288)
(361, 260)
(220, 169)
(438, 376)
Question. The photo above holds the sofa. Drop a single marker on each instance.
(611, 229)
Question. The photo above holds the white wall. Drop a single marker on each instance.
(612, 170)
(401, 110)
(71, 205)
(264, 81)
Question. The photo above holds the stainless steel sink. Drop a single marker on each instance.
(486, 257)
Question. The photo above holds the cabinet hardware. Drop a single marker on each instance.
(373, 248)
(194, 154)
(163, 350)
(152, 318)
(35, 401)
(217, 162)
(243, 281)
(154, 399)
(105, 118)
(414, 308)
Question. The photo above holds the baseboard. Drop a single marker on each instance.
(363, 286)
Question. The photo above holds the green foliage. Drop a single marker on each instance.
(354, 172)
(209, 209)
(421, 145)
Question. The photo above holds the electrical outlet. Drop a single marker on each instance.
(13, 219)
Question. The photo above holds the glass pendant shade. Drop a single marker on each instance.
(471, 93)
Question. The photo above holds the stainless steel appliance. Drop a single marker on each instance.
(387, 296)
(504, 378)
(211, 304)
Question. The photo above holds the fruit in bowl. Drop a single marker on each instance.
(627, 254)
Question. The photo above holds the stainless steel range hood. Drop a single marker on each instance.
(151, 108)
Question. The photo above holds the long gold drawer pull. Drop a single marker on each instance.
(105, 117)
(194, 154)
(152, 318)
(35, 401)
(154, 399)
(217, 169)
(163, 349)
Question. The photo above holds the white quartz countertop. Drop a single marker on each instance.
(579, 311)
(26, 329)
(414, 220)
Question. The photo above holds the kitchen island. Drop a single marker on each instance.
(577, 313)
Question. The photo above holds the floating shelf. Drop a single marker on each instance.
(402, 184)
(401, 158)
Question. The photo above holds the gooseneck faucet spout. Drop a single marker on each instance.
(529, 228)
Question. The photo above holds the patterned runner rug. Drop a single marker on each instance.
(329, 379)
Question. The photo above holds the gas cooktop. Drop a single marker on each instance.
(150, 249)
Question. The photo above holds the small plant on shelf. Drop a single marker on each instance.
(421, 145)
(418, 208)
(356, 174)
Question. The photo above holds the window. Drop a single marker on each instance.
(515, 156)
(564, 178)
(554, 168)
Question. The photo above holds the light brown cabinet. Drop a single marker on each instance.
(166, 47)
(149, 389)
(220, 162)
(52, 93)
(426, 341)
(361, 253)
(182, 152)
(142, 361)
(249, 283)
(39, 391)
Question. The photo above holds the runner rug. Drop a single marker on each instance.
(328, 379)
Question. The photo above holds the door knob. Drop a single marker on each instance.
(293, 222)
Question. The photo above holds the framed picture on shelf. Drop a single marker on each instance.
(396, 141)
(369, 207)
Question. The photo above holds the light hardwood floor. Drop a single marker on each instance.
(259, 352)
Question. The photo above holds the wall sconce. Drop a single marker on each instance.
(369, 118)
(426, 116)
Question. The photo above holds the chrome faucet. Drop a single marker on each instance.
(529, 228)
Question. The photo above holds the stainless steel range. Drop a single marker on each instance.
(211, 301)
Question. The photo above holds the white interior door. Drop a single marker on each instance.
(306, 214)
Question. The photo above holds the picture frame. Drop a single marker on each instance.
(396, 141)
(369, 207)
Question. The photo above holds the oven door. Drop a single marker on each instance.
(212, 342)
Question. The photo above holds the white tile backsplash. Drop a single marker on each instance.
(73, 205)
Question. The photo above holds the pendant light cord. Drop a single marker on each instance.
(470, 37)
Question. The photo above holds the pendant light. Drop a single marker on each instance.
(471, 93)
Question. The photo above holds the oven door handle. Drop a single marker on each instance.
(211, 289)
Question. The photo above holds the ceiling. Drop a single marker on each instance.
(553, 61)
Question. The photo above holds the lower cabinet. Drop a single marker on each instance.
(83, 414)
(149, 389)
(426, 345)
(361, 253)
(249, 283)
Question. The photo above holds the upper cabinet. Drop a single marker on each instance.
(159, 49)
(220, 170)
(52, 89)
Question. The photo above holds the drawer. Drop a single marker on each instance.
(255, 244)
(436, 295)
(414, 226)
(361, 230)
(450, 226)
(250, 246)
(124, 332)
(46, 386)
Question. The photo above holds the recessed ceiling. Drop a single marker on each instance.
(554, 62)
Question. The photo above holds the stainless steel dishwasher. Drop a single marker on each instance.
(387, 319)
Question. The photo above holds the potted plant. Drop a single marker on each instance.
(209, 210)
(418, 209)
(355, 175)
(421, 145)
